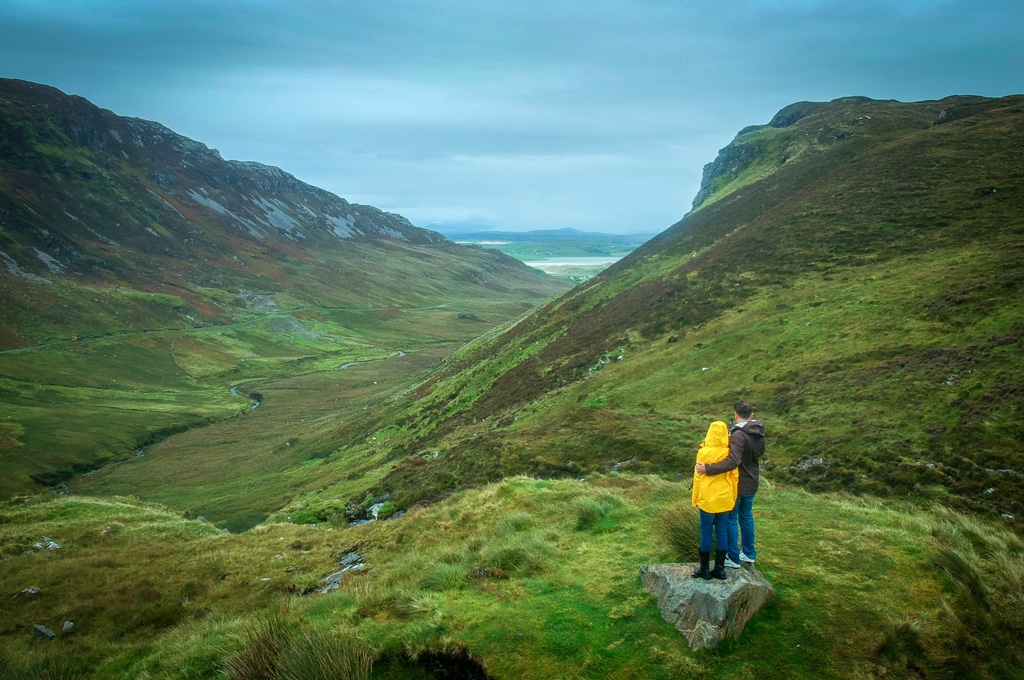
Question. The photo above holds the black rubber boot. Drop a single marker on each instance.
(719, 570)
(703, 571)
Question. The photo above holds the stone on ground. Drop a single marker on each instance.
(705, 612)
(41, 632)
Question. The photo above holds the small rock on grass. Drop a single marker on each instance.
(41, 632)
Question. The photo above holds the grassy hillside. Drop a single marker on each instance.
(526, 578)
(864, 295)
(143, 276)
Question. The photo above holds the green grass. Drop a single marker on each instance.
(857, 592)
(227, 475)
(872, 324)
(68, 409)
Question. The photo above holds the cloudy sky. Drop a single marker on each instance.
(592, 114)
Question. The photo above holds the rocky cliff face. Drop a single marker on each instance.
(763, 149)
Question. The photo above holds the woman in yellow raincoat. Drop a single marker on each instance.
(715, 497)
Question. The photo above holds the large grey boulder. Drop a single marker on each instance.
(705, 612)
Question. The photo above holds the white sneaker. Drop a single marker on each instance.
(730, 563)
(743, 558)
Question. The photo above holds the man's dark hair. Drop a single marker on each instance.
(743, 409)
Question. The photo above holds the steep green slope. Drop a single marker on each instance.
(859, 280)
(143, 276)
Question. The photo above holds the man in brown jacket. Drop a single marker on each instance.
(746, 446)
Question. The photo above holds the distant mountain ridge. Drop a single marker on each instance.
(91, 198)
(242, 198)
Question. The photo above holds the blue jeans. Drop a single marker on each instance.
(718, 522)
(742, 515)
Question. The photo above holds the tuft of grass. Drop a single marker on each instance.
(957, 565)
(262, 642)
(520, 554)
(322, 655)
(981, 625)
(49, 666)
(442, 577)
(678, 527)
(588, 512)
(417, 602)
(520, 521)
(901, 639)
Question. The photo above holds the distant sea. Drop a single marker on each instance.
(555, 261)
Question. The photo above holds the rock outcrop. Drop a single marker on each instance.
(351, 561)
(705, 612)
(730, 163)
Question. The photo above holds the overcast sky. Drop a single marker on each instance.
(589, 114)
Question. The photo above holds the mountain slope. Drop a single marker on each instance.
(858, 279)
(143, 276)
(88, 198)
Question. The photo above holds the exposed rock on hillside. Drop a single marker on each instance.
(749, 149)
(158, 186)
(730, 162)
(706, 612)
(91, 198)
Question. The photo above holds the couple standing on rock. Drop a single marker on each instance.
(724, 484)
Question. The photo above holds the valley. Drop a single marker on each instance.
(565, 253)
(852, 268)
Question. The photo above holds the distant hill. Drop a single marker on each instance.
(547, 236)
(854, 268)
(89, 198)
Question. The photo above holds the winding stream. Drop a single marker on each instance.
(234, 391)
(256, 399)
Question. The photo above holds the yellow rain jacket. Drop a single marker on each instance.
(715, 493)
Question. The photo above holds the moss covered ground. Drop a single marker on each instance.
(523, 574)
(70, 408)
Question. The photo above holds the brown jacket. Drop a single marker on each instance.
(746, 446)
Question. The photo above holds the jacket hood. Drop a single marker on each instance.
(718, 434)
(753, 427)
